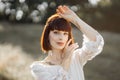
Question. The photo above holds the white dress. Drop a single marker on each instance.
(79, 58)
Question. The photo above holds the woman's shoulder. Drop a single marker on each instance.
(36, 63)
(42, 63)
(38, 66)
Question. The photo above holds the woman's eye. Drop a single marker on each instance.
(55, 32)
(65, 33)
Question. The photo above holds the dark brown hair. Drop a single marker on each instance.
(55, 22)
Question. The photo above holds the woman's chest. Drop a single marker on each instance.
(50, 72)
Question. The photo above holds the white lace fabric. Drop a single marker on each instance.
(47, 72)
(56, 72)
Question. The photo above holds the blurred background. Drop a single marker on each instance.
(21, 25)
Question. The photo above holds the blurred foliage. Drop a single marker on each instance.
(95, 12)
(31, 10)
(103, 16)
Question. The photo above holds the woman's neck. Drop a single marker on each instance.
(54, 56)
(57, 54)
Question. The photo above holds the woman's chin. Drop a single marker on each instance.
(60, 48)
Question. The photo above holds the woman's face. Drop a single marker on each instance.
(58, 39)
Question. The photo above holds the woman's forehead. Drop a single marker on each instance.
(59, 30)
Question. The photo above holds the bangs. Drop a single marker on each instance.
(60, 24)
(55, 22)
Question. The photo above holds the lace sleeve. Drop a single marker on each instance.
(90, 48)
(38, 71)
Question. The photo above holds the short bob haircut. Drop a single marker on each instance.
(55, 22)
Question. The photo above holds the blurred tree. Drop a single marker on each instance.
(108, 15)
(95, 12)
(53, 4)
(103, 16)
(17, 12)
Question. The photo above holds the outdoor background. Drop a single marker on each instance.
(21, 25)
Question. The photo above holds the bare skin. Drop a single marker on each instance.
(66, 52)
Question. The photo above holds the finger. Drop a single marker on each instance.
(61, 9)
(60, 15)
(75, 46)
(72, 50)
(58, 12)
(68, 42)
(65, 7)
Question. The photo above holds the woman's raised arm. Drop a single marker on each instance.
(92, 42)
(70, 15)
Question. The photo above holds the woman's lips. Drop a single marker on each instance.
(60, 43)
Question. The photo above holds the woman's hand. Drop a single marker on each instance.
(67, 53)
(68, 50)
(67, 13)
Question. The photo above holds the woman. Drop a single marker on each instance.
(65, 60)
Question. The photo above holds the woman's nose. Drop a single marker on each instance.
(61, 37)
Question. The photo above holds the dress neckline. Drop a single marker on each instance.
(47, 63)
